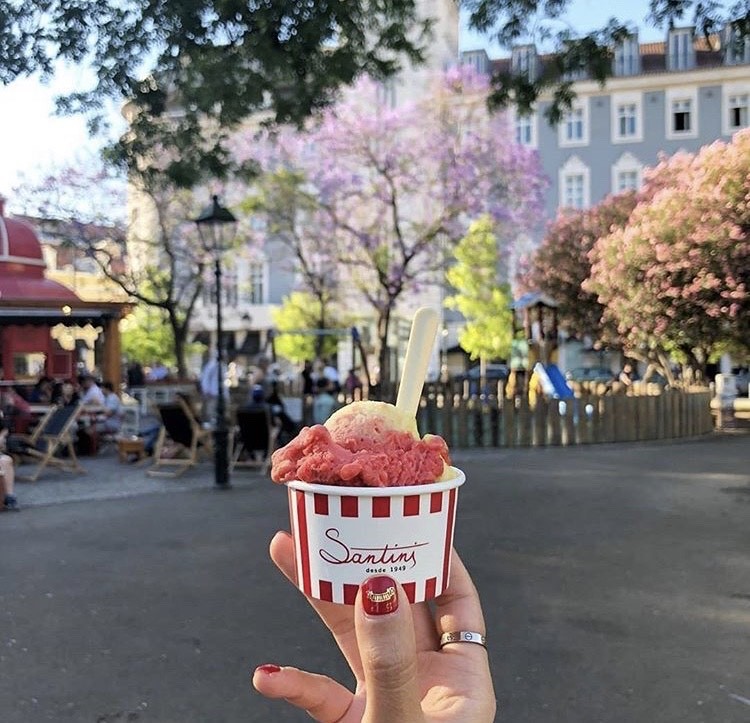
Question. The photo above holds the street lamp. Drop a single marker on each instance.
(216, 228)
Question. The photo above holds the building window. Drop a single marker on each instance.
(256, 283)
(627, 57)
(230, 288)
(627, 120)
(523, 61)
(681, 52)
(574, 127)
(736, 47)
(627, 181)
(574, 184)
(627, 117)
(681, 115)
(525, 130)
(738, 111)
(386, 93)
(627, 173)
(477, 59)
(573, 190)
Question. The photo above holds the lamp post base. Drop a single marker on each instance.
(221, 459)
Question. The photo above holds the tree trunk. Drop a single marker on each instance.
(320, 338)
(384, 356)
(179, 334)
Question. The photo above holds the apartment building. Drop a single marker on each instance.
(663, 97)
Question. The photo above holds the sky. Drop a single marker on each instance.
(33, 139)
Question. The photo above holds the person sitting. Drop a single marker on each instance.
(324, 402)
(113, 411)
(289, 428)
(7, 474)
(17, 411)
(42, 392)
(92, 392)
(65, 393)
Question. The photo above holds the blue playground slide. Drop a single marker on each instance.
(560, 387)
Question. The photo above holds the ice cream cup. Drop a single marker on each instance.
(343, 535)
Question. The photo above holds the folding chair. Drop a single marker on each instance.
(255, 433)
(53, 436)
(181, 426)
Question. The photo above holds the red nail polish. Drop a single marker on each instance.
(379, 596)
(269, 668)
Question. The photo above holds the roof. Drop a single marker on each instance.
(653, 56)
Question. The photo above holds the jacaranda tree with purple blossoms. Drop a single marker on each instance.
(394, 189)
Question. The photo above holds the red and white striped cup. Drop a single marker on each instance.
(343, 535)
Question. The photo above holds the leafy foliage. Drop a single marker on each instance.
(191, 69)
(561, 263)
(301, 311)
(390, 189)
(483, 300)
(676, 278)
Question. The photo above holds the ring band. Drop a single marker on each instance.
(463, 636)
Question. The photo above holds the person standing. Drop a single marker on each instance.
(7, 474)
(308, 383)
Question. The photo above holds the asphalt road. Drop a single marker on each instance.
(615, 580)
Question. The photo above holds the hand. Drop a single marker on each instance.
(401, 673)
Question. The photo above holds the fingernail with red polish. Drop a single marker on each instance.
(269, 668)
(379, 596)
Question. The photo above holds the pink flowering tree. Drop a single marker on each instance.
(675, 279)
(394, 189)
(560, 265)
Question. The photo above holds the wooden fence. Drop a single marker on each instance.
(466, 422)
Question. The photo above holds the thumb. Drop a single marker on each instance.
(387, 646)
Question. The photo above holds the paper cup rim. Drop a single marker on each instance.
(403, 491)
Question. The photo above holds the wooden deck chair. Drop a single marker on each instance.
(182, 428)
(53, 437)
(255, 434)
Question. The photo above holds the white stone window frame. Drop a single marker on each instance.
(673, 95)
(583, 105)
(728, 91)
(533, 120)
(247, 276)
(617, 101)
(626, 163)
(574, 166)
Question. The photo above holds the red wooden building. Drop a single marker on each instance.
(31, 306)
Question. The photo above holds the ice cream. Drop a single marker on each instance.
(365, 444)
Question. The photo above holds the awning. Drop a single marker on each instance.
(17, 316)
(24, 289)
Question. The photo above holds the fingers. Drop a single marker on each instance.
(339, 619)
(458, 608)
(387, 644)
(324, 699)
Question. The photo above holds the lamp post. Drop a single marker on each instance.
(216, 228)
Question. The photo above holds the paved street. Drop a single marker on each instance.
(615, 579)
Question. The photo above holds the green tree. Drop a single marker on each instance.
(293, 218)
(482, 299)
(301, 311)
(216, 61)
(146, 336)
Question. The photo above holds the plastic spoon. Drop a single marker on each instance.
(418, 351)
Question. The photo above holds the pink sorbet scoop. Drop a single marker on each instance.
(365, 444)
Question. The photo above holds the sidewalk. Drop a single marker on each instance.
(107, 478)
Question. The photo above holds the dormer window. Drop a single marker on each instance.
(736, 48)
(477, 59)
(627, 60)
(680, 50)
(523, 61)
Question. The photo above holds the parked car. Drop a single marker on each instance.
(590, 374)
(493, 374)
